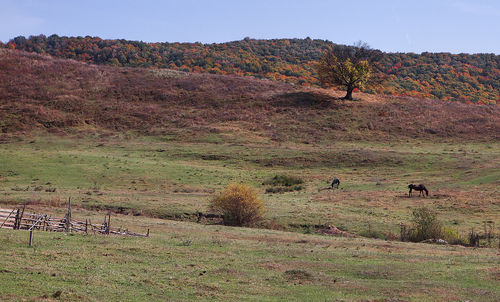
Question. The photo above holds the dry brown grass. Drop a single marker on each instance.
(40, 92)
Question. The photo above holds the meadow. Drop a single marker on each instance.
(189, 261)
(164, 178)
(154, 146)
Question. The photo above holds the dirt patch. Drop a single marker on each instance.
(297, 275)
(272, 266)
(439, 196)
(494, 273)
(334, 231)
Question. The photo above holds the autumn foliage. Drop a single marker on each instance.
(461, 77)
(40, 92)
(239, 204)
(347, 74)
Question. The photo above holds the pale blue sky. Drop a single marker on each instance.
(390, 25)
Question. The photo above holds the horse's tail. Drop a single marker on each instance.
(426, 191)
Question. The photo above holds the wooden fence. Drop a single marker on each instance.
(18, 219)
(7, 218)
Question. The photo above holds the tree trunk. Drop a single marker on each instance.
(348, 96)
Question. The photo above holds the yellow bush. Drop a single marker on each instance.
(238, 204)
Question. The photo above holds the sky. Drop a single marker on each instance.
(456, 26)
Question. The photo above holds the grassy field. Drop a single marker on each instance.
(188, 261)
(162, 178)
(154, 146)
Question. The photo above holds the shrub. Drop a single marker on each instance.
(451, 236)
(283, 183)
(283, 189)
(426, 225)
(283, 180)
(238, 204)
(473, 238)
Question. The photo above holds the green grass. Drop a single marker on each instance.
(166, 178)
(184, 261)
(174, 179)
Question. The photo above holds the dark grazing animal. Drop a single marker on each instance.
(421, 188)
(335, 182)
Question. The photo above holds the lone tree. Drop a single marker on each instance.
(349, 67)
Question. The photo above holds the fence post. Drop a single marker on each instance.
(68, 216)
(16, 220)
(31, 238)
(21, 217)
(91, 226)
(104, 225)
(107, 225)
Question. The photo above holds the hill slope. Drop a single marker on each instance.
(214, 130)
(463, 77)
(40, 92)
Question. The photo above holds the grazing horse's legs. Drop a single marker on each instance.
(422, 190)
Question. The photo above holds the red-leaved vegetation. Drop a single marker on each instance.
(41, 92)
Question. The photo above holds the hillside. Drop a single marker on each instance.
(153, 146)
(41, 92)
(461, 77)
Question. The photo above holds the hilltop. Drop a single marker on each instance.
(473, 78)
(42, 92)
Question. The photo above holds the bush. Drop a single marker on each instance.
(283, 183)
(283, 189)
(426, 225)
(283, 180)
(451, 236)
(238, 204)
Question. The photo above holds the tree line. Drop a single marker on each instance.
(473, 78)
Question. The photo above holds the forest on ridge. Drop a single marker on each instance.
(470, 78)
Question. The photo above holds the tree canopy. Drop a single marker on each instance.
(348, 67)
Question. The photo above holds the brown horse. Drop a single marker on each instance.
(421, 188)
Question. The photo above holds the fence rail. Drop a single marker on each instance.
(7, 219)
(17, 219)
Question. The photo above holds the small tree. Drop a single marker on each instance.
(239, 205)
(348, 67)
